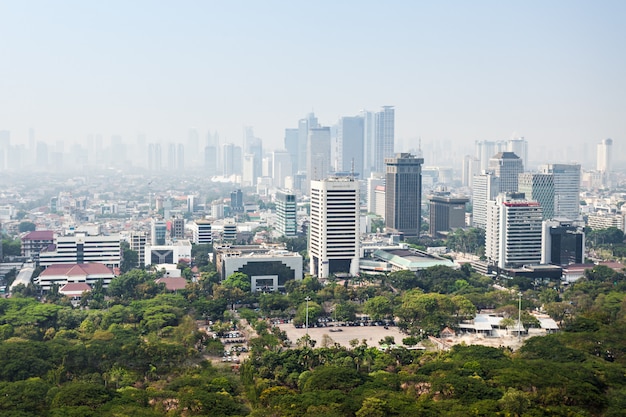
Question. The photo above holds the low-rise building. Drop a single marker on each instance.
(61, 274)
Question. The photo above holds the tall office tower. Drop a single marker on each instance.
(210, 160)
(519, 146)
(248, 178)
(154, 157)
(403, 194)
(118, 150)
(291, 145)
(255, 147)
(384, 138)
(236, 201)
(318, 161)
(281, 167)
(191, 203)
(42, 155)
(471, 167)
(375, 180)
(202, 232)
(286, 223)
(310, 122)
(193, 148)
(447, 212)
(603, 164)
(369, 135)
(171, 156)
(138, 241)
(158, 230)
(566, 189)
(180, 157)
(350, 144)
(229, 161)
(485, 188)
(563, 242)
(334, 227)
(507, 166)
(539, 188)
(485, 150)
(514, 228)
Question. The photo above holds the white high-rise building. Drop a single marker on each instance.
(514, 230)
(138, 241)
(519, 146)
(318, 154)
(384, 139)
(603, 160)
(281, 167)
(485, 188)
(202, 232)
(334, 227)
(82, 248)
(375, 180)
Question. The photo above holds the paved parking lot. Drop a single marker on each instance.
(372, 334)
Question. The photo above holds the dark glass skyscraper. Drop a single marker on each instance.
(403, 194)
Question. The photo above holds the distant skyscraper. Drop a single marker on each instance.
(519, 147)
(171, 156)
(507, 166)
(318, 163)
(286, 223)
(385, 137)
(154, 157)
(334, 227)
(236, 201)
(540, 188)
(210, 160)
(369, 145)
(193, 147)
(180, 157)
(603, 163)
(485, 187)
(403, 194)
(375, 180)
(291, 145)
(42, 155)
(310, 122)
(233, 161)
(350, 141)
(471, 167)
(566, 189)
(281, 167)
(485, 150)
(514, 230)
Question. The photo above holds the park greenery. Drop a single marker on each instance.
(136, 349)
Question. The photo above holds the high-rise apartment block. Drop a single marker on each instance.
(334, 227)
(286, 223)
(403, 194)
(82, 248)
(514, 231)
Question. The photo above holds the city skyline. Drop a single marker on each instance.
(455, 72)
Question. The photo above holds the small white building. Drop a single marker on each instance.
(167, 254)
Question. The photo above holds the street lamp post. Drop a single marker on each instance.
(519, 318)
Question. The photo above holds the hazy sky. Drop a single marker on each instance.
(460, 71)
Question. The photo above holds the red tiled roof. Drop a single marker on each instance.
(173, 284)
(76, 269)
(39, 235)
(75, 287)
